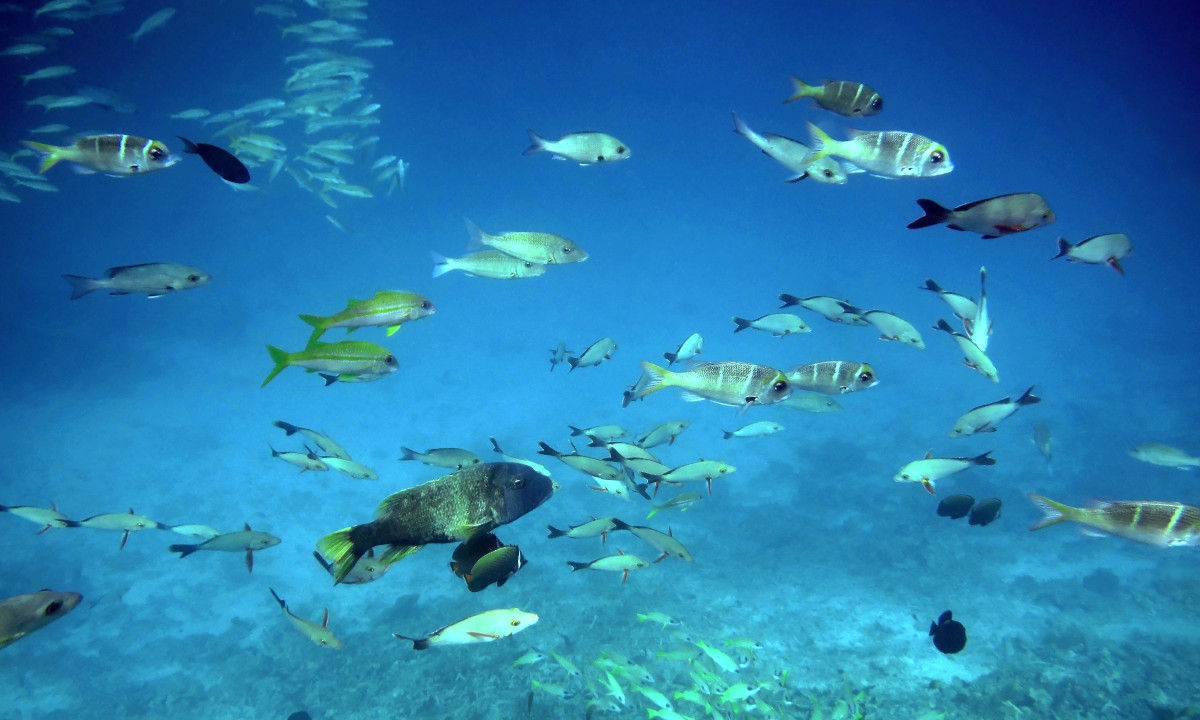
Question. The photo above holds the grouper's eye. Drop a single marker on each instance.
(937, 156)
(519, 483)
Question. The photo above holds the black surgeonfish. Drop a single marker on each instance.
(955, 506)
(220, 160)
(949, 635)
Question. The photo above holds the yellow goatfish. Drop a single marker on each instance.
(320, 634)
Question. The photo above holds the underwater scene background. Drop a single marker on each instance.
(823, 571)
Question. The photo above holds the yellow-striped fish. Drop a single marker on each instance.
(111, 154)
(740, 384)
(1161, 524)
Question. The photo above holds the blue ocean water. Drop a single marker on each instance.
(809, 549)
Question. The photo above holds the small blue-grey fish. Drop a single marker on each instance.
(153, 279)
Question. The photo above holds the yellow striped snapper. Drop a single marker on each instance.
(153, 279)
(658, 617)
(688, 349)
(888, 154)
(387, 308)
(487, 263)
(47, 73)
(327, 444)
(318, 633)
(700, 471)
(620, 562)
(482, 627)
(614, 688)
(844, 97)
(596, 527)
(553, 690)
(832, 377)
(1161, 524)
(791, 153)
(585, 148)
(1164, 455)
(347, 357)
(46, 517)
(680, 502)
(112, 154)
(754, 429)
(654, 696)
(739, 384)
(892, 327)
(832, 309)
(991, 217)
(451, 458)
(523, 461)
(664, 433)
(929, 469)
(155, 21)
(245, 540)
(973, 357)
(21, 615)
(567, 664)
(1097, 250)
(534, 247)
(664, 542)
(595, 467)
(307, 460)
(595, 354)
(719, 658)
(778, 324)
(985, 418)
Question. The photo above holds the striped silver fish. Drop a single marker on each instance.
(740, 384)
(890, 153)
(833, 377)
(112, 154)
(844, 97)
(1162, 524)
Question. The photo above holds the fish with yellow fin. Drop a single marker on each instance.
(1152, 522)
(319, 633)
(387, 308)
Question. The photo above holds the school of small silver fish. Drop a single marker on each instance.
(315, 129)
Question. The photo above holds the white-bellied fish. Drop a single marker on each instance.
(46, 517)
(351, 468)
(452, 458)
(663, 433)
(195, 530)
(523, 461)
(245, 540)
(979, 326)
(327, 444)
(387, 308)
(963, 307)
(844, 97)
(688, 349)
(21, 615)
(991, 217)
(830, 308)
(558, 354)
(596, 527)
(790, 154)
(595, 354)
(928, 470)
(754, 429)
(482, 627)
(1107, 249)
(535, 247)
(585, 148)
(681, 502)
(111, 154)
(664, 542)
(985, 418)
(892, 327)
(700, 471)
(124, 523)
(833, 377)
(811, 402)
(778, 324)
(1161, 524)
(973, 357)
(346, 357)
(599, 435)
(487, 263)
(620, 562)
(595, 467)
(1156, 453)
(318, 633)
(153, 279)
(48, 73)
(739, 384)
(306, 460)
(892, 153)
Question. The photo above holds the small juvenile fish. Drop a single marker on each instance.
(688, 349)
(973, 356)
(318, 633)
(929, 469)
(452, 458)
(664, 433)
(387, 308)
(892, 327)
(323, 441)
(620, 562)
(1161, 524)
(832, 377)
(24, 614)
(112, 154)
(595, 354)
(153, 279)
(482, 627)
(739, 384)
(1164, 455)
(778, 324)
(245, 540)
(754, 429)
(219, 160)
(347, 357)
(1098, 250)
(991, 217)
(791, 153)
(585, 148)
(985, 418)
(487, 263)
(534, 247)
(844, 97)
(832, 309)
(680, 502)
(892, 153)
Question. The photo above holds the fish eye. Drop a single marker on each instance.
(937, 156)
(156, 153)
(528, 264)
(53, 608)
(620, 149)
(389, 360)
(566, 250)
(866, 377)
(193, 278)
(514, 623)
(426, 305)
(877, 103)
(780, 386)
(599, 158)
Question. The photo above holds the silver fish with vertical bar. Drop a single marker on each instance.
(119, 155)
(891, 154)
(1161, 524)
(844, 97)
(833, 377)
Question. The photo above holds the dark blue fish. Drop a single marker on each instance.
(220, 160)
(985, 512)
(955, 506)
(949, 635)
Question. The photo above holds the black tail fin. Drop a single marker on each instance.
(555, 532)
(183, 550)
(1028, 398)
(934, 214)
(742, 323)
(788, 300)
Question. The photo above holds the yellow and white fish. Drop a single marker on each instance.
(534, 247)
(985, 418)
(778, 324)
(891, 153)
(973, 357)
(844, 97)
(318, 633)
(833, 377)
(345, 357)
(928, 470)
(1161, 524)
(112, 154)
(387, 308)
(585, 148)
(482, 627)
(1164, 455)
(739, 384)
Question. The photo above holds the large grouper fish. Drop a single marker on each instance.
(452, 508)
